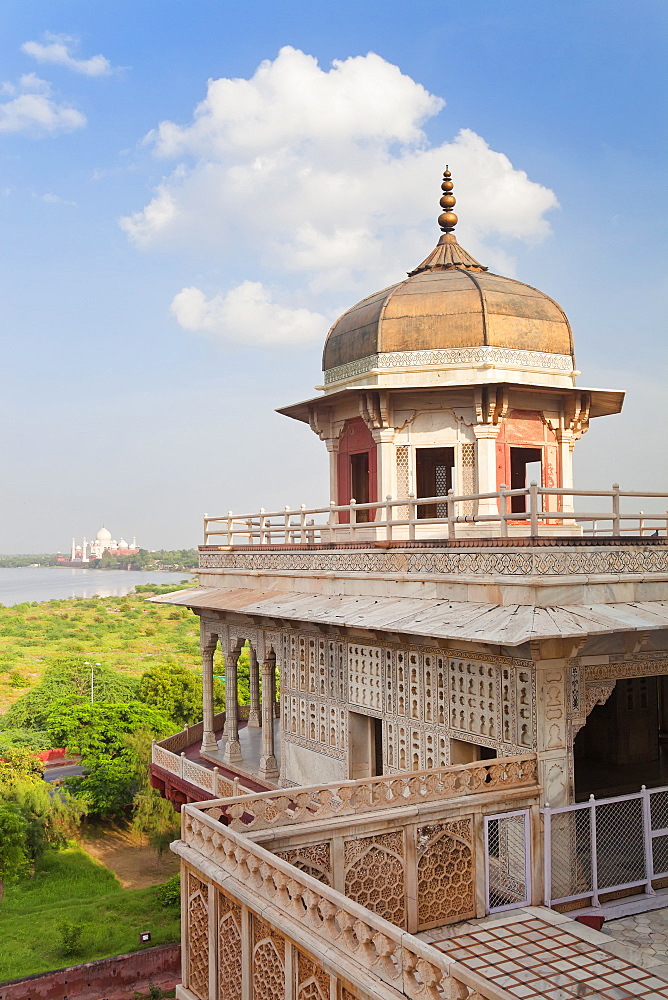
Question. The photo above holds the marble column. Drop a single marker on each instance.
(254, 720)
(386, 464)
(231, 748)
(268, 766)
(566, 444)
(333, 449)
(208, 736)
(486, 436)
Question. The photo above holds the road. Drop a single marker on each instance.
(58, 773)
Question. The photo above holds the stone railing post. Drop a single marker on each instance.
(503, 510)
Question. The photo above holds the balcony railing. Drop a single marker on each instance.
(322, 803)
(169, 754)
(359, 948)
(532, 510)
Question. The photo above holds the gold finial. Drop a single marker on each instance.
(448, 252)
(447, 220)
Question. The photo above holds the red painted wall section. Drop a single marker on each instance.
(526, 429)
(355, 439)
(115, 978)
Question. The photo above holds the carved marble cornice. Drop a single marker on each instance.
(503, 357)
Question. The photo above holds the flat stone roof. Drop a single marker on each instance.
(508, 625)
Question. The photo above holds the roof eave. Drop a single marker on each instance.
(604, 402)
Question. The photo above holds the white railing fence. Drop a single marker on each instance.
(606, 845)
(523, 511)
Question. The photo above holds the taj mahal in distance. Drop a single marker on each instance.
(84, 552)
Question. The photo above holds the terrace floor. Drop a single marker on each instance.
(536, 952)
(250, 740)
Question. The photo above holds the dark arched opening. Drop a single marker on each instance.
(624, 743)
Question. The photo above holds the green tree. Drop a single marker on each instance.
(32, 816)
(13, 846)
(27, 739)
(176, 691)
(67, 678)
(98, 732)
(152, 816)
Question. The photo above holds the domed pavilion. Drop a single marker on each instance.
(455, 378)
(471, 714)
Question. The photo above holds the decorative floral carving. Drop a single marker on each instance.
(436, 358)
(314, 859)
(541, 561)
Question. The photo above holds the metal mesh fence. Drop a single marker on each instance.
(660, 856)
(507, 861)
(571, 873)
(658, 804)
(620, 843)
(606, 844)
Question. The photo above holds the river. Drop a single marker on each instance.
(47, 583)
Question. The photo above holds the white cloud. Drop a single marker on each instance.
(32, 109)
(329, 175)
(53, 199)
(58, 49)
(246, 315)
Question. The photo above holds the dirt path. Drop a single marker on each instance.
(127, 855)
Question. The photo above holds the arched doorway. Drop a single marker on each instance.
(357, 468)
(624, 742)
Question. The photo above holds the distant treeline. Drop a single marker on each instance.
(7, 562)
(163, 559)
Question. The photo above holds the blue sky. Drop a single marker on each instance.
(164, 287)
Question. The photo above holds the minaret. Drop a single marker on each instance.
(74, 550)
(84, 550)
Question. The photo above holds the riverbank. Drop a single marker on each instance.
(40, 583)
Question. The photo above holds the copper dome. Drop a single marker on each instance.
(449, 306)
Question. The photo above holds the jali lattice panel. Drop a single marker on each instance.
(374, 875)
(198, 937)
(229, 948)
(268, 962)
(445, 873)
(313, 983)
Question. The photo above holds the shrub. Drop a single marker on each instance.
(169, 894)
(70, 937)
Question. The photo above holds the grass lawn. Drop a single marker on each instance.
(70, 885)
(124, 633)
